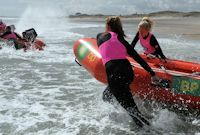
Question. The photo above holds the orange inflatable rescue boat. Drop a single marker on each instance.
(182, 79)
(38, 44)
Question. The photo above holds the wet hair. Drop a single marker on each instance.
(146, 23)
(8, 28)
(115, 25)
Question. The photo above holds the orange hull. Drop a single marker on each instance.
(184, 87)
(176, 65)
(38, 45)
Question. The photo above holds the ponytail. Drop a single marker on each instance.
(115, 25)
(146, 23)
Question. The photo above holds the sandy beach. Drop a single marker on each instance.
(187, 27)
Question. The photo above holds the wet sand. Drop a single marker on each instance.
(187, 27)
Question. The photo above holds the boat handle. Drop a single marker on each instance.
(77, 62)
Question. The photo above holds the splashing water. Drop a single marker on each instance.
(45, 92)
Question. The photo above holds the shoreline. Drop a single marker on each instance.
(136, 15)
(187, 27)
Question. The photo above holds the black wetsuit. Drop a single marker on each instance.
(120, 75)
(153, 42)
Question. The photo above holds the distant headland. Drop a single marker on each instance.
(136, 15)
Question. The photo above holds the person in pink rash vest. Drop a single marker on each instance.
(148, 40)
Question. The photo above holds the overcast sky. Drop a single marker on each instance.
(17, 7)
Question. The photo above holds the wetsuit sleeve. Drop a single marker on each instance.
(135, 40)
(98, 36)
(102, 37)
(156, 45)
(131, 52)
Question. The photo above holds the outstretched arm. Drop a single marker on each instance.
(131, 52)
(135, 40)
(156, 45)
(18, 36)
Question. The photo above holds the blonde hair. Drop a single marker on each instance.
(146, 23)
(115, 25)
